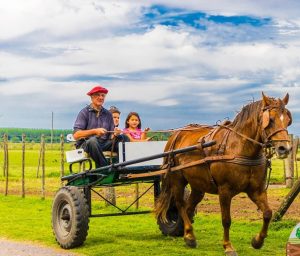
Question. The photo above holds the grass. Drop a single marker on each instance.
(29, 218)
(138, 234)
(53, 168)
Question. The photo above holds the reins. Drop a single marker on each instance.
(243, 136)
(190, 127)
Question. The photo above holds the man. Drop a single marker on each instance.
(94, 128)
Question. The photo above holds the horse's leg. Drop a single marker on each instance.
(225, 198)
(261, 200)
(178, 192)
(194, 198)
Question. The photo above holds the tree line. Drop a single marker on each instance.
(33, 135)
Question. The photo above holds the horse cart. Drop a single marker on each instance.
(136, 163)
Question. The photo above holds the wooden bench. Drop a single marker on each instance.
(127, 151)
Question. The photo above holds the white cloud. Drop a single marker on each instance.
(46, 46)
(63, 18)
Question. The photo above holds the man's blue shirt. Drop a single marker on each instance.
(88, 118)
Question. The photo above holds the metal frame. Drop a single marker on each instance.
(93, 178)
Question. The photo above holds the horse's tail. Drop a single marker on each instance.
(163, 202)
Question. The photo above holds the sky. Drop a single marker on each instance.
(173, 62)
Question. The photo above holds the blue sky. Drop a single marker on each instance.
(174, 62)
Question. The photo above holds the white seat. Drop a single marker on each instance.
(132, 151)
(76, 155)
(135, 150)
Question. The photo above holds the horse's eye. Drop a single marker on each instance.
(272, 120)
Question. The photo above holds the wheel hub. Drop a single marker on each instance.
(65, 218)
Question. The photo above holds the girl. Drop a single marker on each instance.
(133, 128)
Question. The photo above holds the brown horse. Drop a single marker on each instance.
(240, 165)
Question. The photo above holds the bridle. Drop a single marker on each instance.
(266, 138)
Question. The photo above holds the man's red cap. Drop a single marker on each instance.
(97, 89)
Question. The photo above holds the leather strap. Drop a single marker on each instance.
(227, 158)
(182, 166)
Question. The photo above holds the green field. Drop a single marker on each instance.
(138, 234)
(53, 168)
(29, 218)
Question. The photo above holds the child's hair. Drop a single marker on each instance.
(130, 115)
(114, 109)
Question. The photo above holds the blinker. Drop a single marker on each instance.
(265, 118)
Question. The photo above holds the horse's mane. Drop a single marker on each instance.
(249, 111)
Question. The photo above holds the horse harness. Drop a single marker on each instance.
(170, 166)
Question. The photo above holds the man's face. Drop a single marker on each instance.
(98, 99)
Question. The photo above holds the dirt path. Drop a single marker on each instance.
(243, 208)
(13, 248)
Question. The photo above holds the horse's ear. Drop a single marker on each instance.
(265, 100)
(265, 118)
(285, 100)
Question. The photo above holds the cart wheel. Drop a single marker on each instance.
(70, 217)
(174, 224)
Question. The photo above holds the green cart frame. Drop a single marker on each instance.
(72, 205)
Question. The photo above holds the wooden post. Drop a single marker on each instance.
(62, 157)
(287, 201)
(6, 160)
(289, 164)
(295, 151)
(23, 165)
(4, 157)
(110, 195)
(40, 156)
(137, 195)
(52, 115)
(43, 165)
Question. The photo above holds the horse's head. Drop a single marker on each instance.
(275, 119)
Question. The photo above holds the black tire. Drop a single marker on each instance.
(174, 224)
(70, 217)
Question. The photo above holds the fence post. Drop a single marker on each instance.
(288, 200)
(137, 195)
(295, 151)
(110, 195)
(62, 156)
(43, 164)
(40, 156)
(23, 165)
(5, 146)
(4, 157)
(289, 168)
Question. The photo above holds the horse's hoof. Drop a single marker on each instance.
(231, 253)
(190, 242)
(257, 244)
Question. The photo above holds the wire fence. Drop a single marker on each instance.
(28, 175)
(10, 176)
(57, 165)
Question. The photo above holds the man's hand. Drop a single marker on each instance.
(117, 131)
(100, 131)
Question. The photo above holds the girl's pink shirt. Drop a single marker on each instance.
(137, 134)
